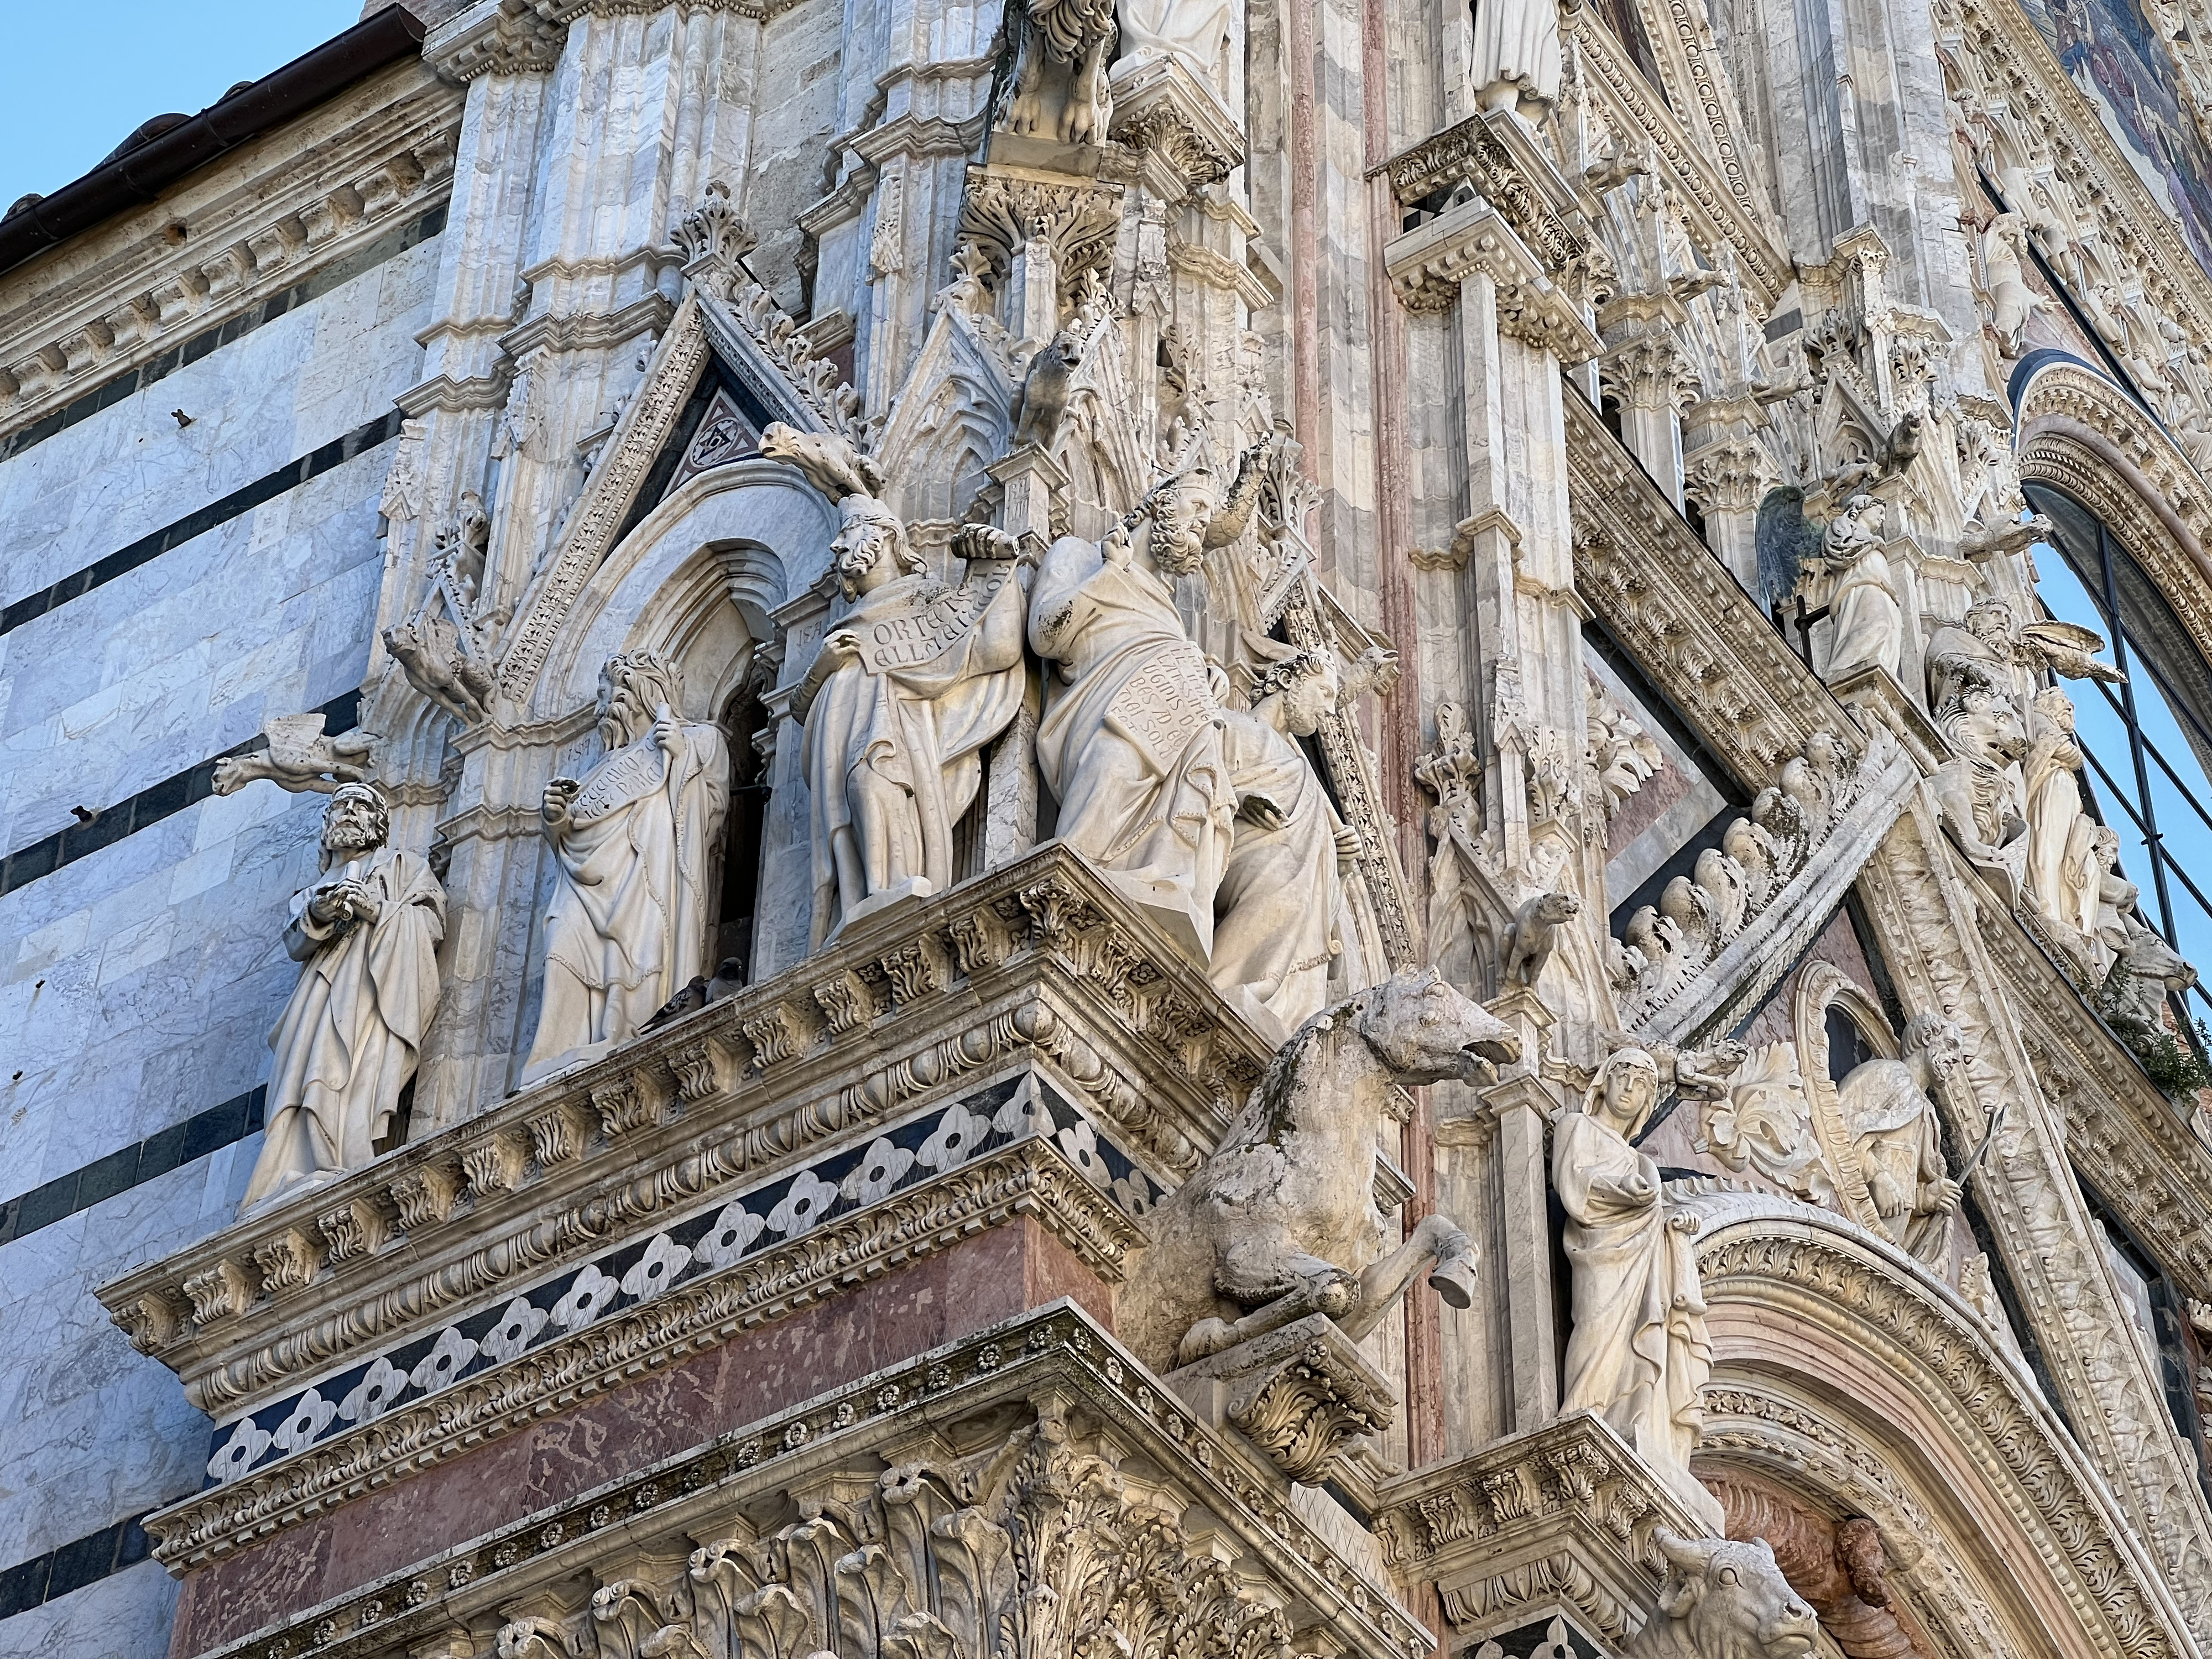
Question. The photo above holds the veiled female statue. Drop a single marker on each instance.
(1639, 1354)
(2061, 870)
(1869, 620)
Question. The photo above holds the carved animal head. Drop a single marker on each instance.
(1065, 349)
(1425, 1031)
(1725, 1599)
(2148, 957)
(1986, 729)
(1555, 906)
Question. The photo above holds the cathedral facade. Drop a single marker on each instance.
(1087, 828)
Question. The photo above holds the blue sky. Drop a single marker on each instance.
(70, 100)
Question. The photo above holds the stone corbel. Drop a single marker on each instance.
(1161, 107)
(496, 37)
(1554, 1521)
(1430, 265)
(1302, 1396)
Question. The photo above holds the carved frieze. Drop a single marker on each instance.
(1037, 959)
(1074, 1474)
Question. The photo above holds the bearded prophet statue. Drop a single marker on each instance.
(366, 936)
(1639, 1353)
(908, 690)
(632, 843)
(1131, 742)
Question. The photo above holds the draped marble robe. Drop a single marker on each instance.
(627, 927)
(912, 731)
(1516, 61)
(1274, 931)
(2062, 871)
(349, 1039)
(1868, 619)
(1131, 745)
(1639, 1353)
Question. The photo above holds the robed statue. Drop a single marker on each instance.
(1277, 908)
(910, 686)
(1639, 1353)
(632, 843)
(1131, 740)
(365, 935)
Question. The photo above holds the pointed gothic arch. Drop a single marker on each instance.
(1848, 1375)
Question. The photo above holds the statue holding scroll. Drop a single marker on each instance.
(908, 688)
(633, 841)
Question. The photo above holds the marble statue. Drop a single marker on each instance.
(1279, 1223)
(1275, 911)
(1131, 743)
(366, 936)
(1898, 1136)
(2062, 872)
(1516, 65)
(632, 843)
(1193, 32)
(909, 685)
(1639, 1353)
(1977, 652)
(1978, 788)
(1723, 1598)
(1866, 614)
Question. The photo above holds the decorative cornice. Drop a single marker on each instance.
(1690, 625)
(1558, 1515)
(1711, 178)
(1428, 264)
(1048, 1380)
(1031, 1177)
(220, 244)
(1037, 957)
(1490, 152)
